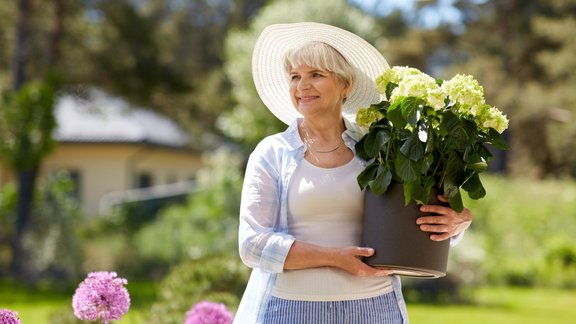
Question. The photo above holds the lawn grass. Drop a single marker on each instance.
(494, 305)
(36, 306)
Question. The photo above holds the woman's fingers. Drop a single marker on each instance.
(446, 223)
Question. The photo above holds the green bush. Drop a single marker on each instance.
(526, 229)
(55, 246)
(206, 225)
(52, 240)
(218, 279)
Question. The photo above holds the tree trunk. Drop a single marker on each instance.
(54, 51)
(21, 50)
(20, 256)
(20, 265)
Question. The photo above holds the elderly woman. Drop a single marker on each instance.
(301, 209)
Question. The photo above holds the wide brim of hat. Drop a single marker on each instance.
(272, 82)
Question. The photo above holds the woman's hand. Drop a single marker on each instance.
(305, 255)
(446, 223)
(349, 259)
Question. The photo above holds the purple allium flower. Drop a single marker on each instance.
(9, 317)
(101, 296)
(206, 312)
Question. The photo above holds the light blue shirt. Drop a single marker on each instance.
(263, 238)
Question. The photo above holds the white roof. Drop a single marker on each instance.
(101, 118)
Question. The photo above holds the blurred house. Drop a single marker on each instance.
(118, 153)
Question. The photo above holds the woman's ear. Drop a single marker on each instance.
(346, 92)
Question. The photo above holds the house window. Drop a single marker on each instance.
(144, 180)
(76, 179)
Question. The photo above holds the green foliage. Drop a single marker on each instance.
(136, 70)
(522, 51)
(52, 240)
(250, 121)
(526, 230)
(26, 124)
(217, 279)
(207, 224)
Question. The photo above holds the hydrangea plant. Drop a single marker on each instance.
(101, 297)
(428, 133)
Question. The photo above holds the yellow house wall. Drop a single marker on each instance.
(105, 168)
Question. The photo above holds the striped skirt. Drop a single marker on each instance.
(377, 310)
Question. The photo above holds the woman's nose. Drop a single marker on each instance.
(303, 84)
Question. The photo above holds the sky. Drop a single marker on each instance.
(443, 13)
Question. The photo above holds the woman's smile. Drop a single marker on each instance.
(307, 99)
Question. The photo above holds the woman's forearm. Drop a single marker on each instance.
(305, 255)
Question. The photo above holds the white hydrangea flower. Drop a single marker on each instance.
(466, 92)
(494, 118)
(394, 75)
(420, 86)
(366, 116)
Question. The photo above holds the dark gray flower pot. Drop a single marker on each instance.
(390, 228)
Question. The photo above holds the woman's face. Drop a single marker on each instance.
(316, 92)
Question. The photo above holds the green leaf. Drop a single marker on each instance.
(375, 141)
(484, 152)
(474, 187)
(427, 163)
(475, 161)
(367, 175)
(408, 190)
(456, 202)
(406, 169)
(455, 128)
(383, 178)
(496, 139)
(431, 141)
(455, 169)
(394, 115)
(389, 88)
(409, 108)
(450, 189)
(360, 148)
(418, 193)
(413, 148)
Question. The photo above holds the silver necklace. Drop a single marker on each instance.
(309, 141)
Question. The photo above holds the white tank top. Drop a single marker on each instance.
(325, 207)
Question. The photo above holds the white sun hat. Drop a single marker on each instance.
(272, 81)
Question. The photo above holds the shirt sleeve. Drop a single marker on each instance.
(454, 240)
(261, 245)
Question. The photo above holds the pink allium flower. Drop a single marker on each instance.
(206, 312)
(9, 317)
(101, 296)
